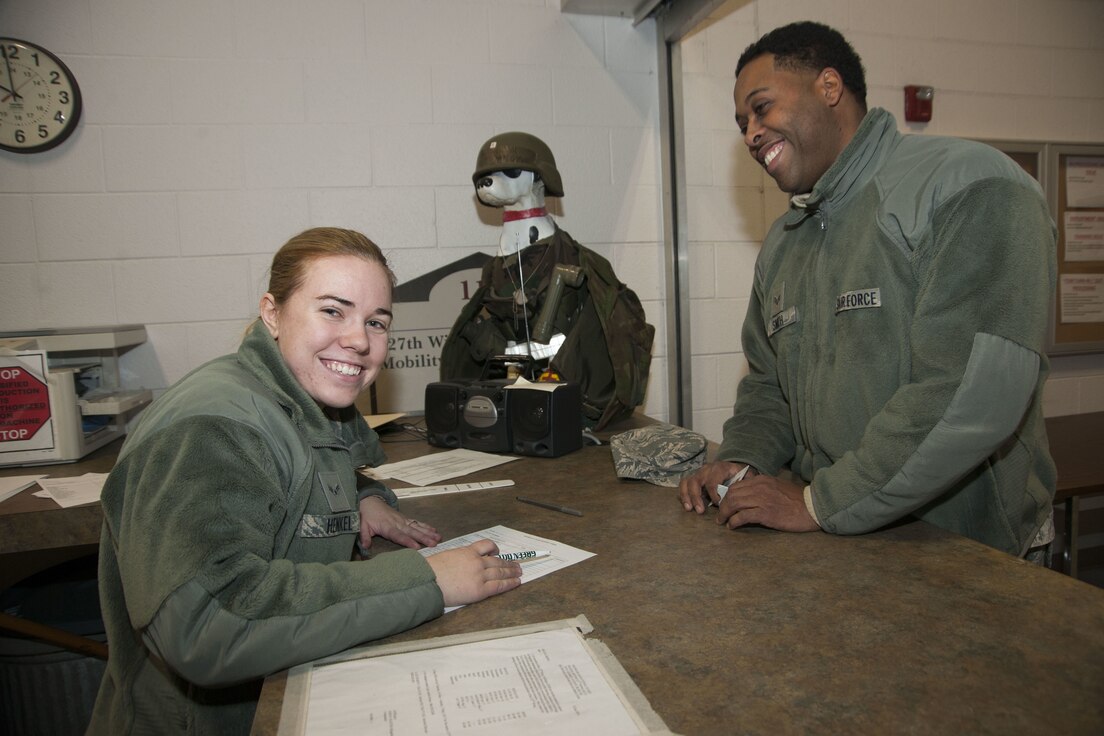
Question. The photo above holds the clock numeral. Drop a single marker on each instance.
(11, 52)
(43, 131)
(464, 284)
(20, 137)
(64, 97)
(59, 116)
(55, 77)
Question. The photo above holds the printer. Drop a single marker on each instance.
(60, 392)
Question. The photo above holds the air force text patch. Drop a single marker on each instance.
(860, 299)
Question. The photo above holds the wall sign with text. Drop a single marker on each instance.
(425, 309)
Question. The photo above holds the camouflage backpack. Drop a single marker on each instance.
(607, 348)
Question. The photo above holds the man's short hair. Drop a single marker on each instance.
(812, 46)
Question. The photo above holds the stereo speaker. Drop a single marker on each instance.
(546, 423)
(442, 414)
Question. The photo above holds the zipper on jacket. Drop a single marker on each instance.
(811, 445)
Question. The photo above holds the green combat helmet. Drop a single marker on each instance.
(519, 151)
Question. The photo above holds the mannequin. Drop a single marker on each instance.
(546, 297)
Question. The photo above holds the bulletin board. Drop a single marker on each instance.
(1075, 190)
(1072, 178)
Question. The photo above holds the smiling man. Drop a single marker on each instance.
(895, 334)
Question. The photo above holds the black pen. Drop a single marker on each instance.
(552, 506)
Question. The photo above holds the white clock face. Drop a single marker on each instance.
(40, 102)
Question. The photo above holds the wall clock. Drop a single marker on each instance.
(40, 102)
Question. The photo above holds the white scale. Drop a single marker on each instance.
(453, 488)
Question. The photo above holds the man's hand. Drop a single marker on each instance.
(470, 574)
(768, 501)
(378, 518)
(700, 489)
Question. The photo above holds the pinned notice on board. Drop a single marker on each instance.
(1081, 297)
(1084, 233)
(1085, 181)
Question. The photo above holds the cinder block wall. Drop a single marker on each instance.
(213, 131)
(1002, 69)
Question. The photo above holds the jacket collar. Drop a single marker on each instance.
(260, 355)
(851, 167)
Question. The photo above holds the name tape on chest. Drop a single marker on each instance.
(783, 319)
(317, 526)
(859, 299)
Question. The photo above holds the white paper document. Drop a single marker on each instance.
(540, 683)
(511, 540)
(427, 469)
(77, 491)
(1081, 297)
(1084, 236)
(1085, 181)
(16, 483)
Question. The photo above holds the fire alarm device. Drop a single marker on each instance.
(918, 103)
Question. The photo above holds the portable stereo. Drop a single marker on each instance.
(485, 415)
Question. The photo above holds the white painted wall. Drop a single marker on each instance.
(213, 130)
(1002, 69)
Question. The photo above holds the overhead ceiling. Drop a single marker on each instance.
(676, 17)
(638, 10)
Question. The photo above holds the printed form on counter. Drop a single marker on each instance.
(539, 679)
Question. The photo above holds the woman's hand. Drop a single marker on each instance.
(470, 574)
(377, 518)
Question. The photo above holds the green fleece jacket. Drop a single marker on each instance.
(895, 338)
(229, 527)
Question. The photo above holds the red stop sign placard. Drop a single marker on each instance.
(24, 404)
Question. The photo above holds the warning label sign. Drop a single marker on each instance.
(24, 403)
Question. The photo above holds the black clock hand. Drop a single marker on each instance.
(7, 63)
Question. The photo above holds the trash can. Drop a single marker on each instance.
(46, 690)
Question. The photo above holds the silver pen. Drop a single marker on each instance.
(722, 488)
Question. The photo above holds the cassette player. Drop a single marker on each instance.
(499, 415)
(471, 415)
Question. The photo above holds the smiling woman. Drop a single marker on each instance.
(332, 331)
(235, 520)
